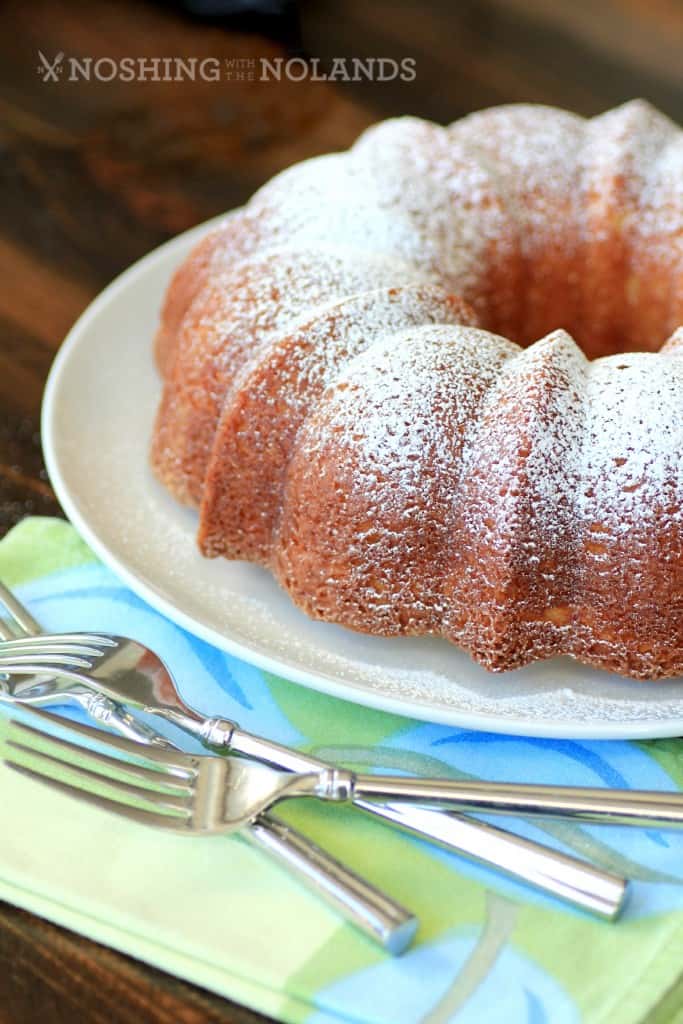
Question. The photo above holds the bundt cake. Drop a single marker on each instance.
(343, 405)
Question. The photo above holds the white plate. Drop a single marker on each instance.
(97, 418)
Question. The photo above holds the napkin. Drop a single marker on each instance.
(221, 914)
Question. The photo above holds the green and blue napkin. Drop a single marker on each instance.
(221, 914)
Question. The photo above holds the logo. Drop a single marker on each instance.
(212, 69)
(50, 72)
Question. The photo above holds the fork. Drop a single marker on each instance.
(186, 793)
(382, 919)
(561, 875)
(177, 792)
(208, 794)
(124, 669)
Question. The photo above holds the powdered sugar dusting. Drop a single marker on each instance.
(238, 312)
(274, 394)
(448, 481)
(632, 440)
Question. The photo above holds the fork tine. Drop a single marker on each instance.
(137, 814)
(84, 779)
(36, 640)
(68, 642)
(10, 648)
(171, 760)
(45, 662)
(90, 638)
(67, 753)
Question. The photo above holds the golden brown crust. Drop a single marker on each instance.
(335, 415)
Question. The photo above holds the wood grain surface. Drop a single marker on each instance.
(95, 174)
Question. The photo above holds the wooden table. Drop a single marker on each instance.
(96, 173)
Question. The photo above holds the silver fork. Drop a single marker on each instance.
(363, 905)
(126, 670)
(209, 794)
(153, 690)
(189, 794)
(179, 792)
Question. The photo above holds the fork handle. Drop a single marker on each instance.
(381, 918)
(646, 809)
(568, 878)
